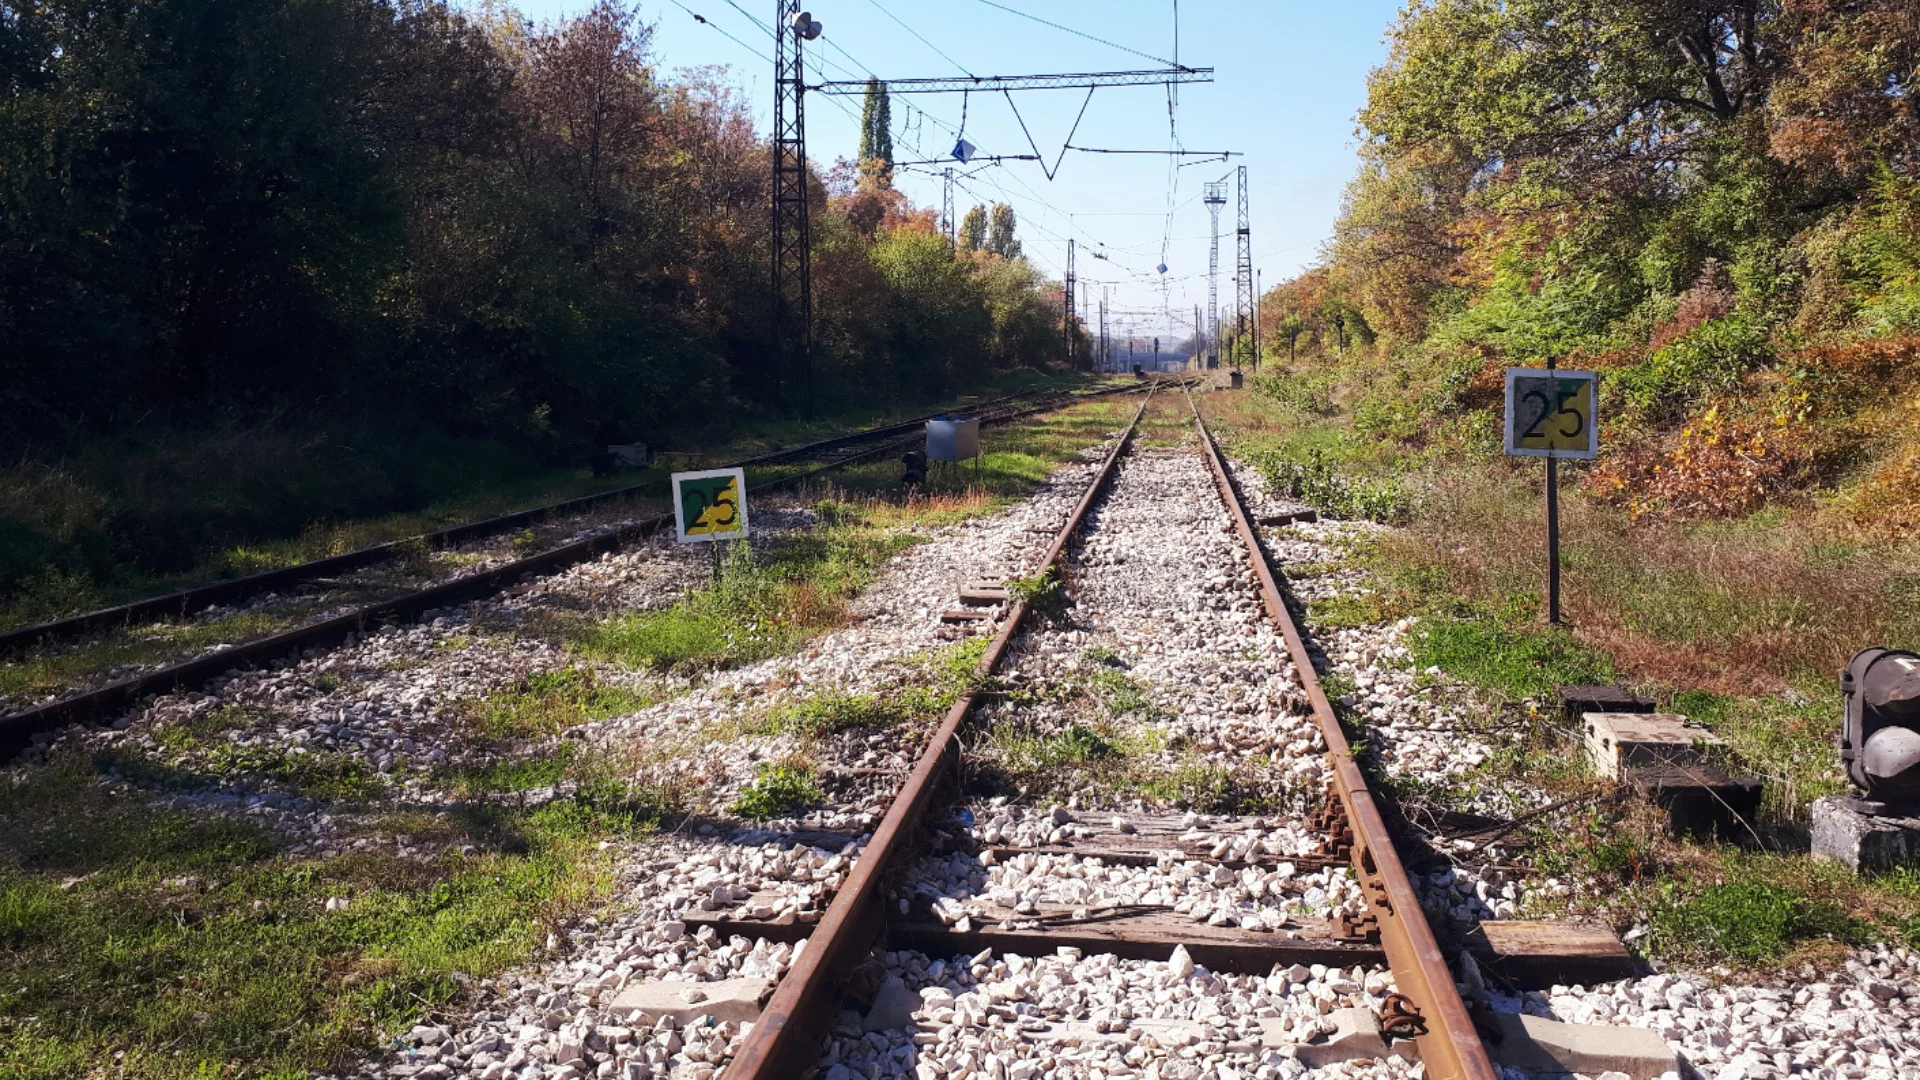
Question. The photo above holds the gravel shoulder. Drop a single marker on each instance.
(1846, 1016)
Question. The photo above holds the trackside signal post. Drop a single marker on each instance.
(1550, 414)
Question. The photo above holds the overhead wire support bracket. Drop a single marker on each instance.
(954, 84)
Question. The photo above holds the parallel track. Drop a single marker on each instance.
(92, 706)
(840, 450)
(786, 1040)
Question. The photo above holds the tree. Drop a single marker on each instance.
(973, 229)
(1614, 93)
(1000, 239)
(589, 93)
(876, 133)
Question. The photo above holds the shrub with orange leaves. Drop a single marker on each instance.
(1723, 462)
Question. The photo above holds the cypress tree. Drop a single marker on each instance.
(973, 229)
(876, 132)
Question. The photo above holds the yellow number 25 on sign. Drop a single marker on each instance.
(1550, 413)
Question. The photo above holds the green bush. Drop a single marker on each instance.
(1748, 921)
(1716, 355)
(1522, 663)
(1308, 476)
(1294, 392)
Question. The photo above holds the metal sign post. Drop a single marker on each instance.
(1551, 414)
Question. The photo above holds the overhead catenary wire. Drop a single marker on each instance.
(916, 34)
(1036, 222)
(704, 21)
(1079, 33)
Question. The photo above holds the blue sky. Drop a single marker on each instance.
(1288, 79)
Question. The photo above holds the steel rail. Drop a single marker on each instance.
(785, 1041)
(18, 728)
(1451, 1048)
(187, 601)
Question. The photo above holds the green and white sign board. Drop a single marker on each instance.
(710, 505)
(1550, 413)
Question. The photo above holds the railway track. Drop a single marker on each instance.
(840, 450)
(958, 932)
(90, 704)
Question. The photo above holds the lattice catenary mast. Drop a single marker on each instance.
(946, 210)
(792, 236)
(1243, 279)
(1216, 198)
(1066, 305)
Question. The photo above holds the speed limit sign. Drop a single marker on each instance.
(710, 505)
(1550, 413)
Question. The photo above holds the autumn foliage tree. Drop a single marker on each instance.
(1713, 201)
(366, 231)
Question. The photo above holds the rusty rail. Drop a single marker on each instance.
(1451, 1049)
(786, 1040)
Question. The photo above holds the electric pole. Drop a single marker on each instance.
(1216, 198)
(1243, 276)
(1106, 353)
(946, 211)
(1066, 306)
(792, 237)
(1259, 296)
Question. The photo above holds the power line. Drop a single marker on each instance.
(702, 20)
(1079, 33)
(916, 33)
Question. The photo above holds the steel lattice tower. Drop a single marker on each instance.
(792, 235)
(1243, 278)
(1216, 198)
(946, 212)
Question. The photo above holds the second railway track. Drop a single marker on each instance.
(326, 626)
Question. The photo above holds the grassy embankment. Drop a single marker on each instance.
(1739, 621)
(145, 941)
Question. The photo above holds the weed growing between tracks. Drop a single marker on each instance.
(1114, 751)
(762, 604)
(551, 702)
(194, 945)
(778, 788)
(926, 686)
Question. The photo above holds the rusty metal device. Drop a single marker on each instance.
(785, 1042)
(1450, 1048)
